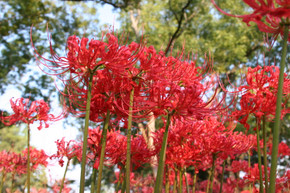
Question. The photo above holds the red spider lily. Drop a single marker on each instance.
(39, 190)
(138, 183)
(65, 149)
(237, 166)
(116, 148)
(28, 113)
(184, 148)
(86, 55)
(283, 149)
(283, 183)
(56, 187)
(253, 174)
(177, 87)
(276, 17)
(261, 93)
(11, 162)
(37, 157)
(217, 139)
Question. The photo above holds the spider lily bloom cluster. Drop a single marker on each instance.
(260, 93)
(271, 16)
(138, 81)
(29, 113)
(125, 85)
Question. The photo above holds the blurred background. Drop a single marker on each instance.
(170, 25)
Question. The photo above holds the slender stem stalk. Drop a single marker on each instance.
(118, 185)
(276, 130)
(158, 185)
(93, 182)
(63, 179)
(102, 156)
(123, 185)
(259, 157)
(222, 177)
(214, 156)
(180, 181)
(167, 185)
(265, 153)
(28, 159)
(12, 181)
(186, 182)
(2, 180)
(128, 156)
(208, 182)
(194, 181)
(175, 181)
(249, 164)
(85, 136)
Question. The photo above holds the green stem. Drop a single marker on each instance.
(249, 164)
(28, 159)
(63, 179)
(128, 156)
(265, 153)
(186, 182)
(180, 181)
(12, 181)
(194, 181)
(214, 156)
(222, 177)
(158, 185)
(175, 181)
(123, 185)
(85, 137)
(93, 180)
(167, 185)
(259, 157)
(2, 180)
(102, 157)
(276, 131)
(118, 184)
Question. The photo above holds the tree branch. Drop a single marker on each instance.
(179, 22)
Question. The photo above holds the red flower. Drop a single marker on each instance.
(283, 149)
(28, 113)
(37, 157)
(64, 149)
(260, 94)
(276, 17)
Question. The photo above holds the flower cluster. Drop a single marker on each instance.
(271, 16)
(29, 112)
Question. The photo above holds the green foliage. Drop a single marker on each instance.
(61, 19)
(203, 29)
(12, 138)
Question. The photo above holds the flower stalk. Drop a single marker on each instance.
(86, 130)
(186, 182)
(259, 157)
(160, 171)
(194, 181)
(28, 159)
(276, 129)
(128, 155)
(265, 153)
(93, 180)
(102, 156)
(63, 179)
(222, 177)
(180, 179)
(214, 157)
